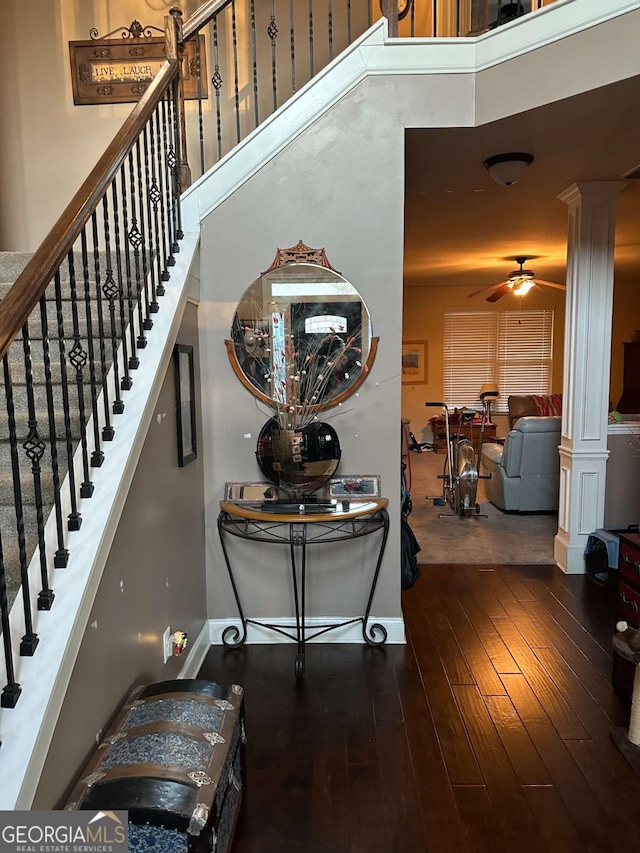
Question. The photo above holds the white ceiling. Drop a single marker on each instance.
(461, 228)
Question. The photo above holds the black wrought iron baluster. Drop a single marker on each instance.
(155, 198)
(154, 269)
(349, 19)
(97, 456)
(78, 359)
(216, 82)
(498, 11)
(330, 28)
(135, 238)
(169, 165)
(272, 32)
(177, 211)
(164, 227)
(172, 163)
(126, 382)
(134, 361)
(34, 448)
(254, 62)
(148, 273)
(292, 38)
(107, 430)
(435, 18)
(111, 290)
(413, 18)
(11, 690)
(197, 69)
(61, 557)
(234, 36)
(311, 60)
(29, 640)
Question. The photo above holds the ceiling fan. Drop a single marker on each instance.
(519, 281)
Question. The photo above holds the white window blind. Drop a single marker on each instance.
(511, 348)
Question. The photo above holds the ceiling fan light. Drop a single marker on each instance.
(507, 169)
(522, 285)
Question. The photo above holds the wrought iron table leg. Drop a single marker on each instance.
(231, 637)
(369, 633)
(299, 539)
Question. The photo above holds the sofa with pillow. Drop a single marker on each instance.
(525, 471)
(533, 405)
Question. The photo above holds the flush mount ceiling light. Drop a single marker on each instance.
(507, 169)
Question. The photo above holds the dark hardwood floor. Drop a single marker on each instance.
(487, 732)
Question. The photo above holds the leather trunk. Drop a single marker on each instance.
(174, 758)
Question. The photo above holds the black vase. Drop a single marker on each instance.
(298, 461)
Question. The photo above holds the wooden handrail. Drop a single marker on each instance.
(30, 285)
(202, 17)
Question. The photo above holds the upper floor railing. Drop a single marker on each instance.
(74, 325)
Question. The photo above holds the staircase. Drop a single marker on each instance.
(11, 265)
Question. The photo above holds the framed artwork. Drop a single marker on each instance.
(355, 486)
(119, 70)
(414, 362)
(185, 404)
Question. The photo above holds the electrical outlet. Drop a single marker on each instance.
(167, 644)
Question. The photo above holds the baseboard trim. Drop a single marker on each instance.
(198, 653)
(351, 633)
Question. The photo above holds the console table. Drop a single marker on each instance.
(349, 520)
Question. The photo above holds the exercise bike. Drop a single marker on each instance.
(462, 463)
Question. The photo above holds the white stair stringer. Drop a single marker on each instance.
(26, 730)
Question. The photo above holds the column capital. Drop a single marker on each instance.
(603, 191)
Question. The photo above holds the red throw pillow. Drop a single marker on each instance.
(547, 404)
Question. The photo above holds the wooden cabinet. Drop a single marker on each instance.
(469, 430)
(628, 607)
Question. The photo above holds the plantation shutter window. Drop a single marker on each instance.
(511, 348)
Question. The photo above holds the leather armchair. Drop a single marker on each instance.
(525, 471)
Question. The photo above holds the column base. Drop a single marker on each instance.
(569, 557)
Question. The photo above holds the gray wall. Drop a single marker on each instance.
(340, 185)
(154, 578)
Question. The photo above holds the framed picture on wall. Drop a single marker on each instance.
(185, 404)
(414, 362)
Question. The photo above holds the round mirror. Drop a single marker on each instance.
(301, 340)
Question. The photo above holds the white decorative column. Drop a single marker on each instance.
(587, 357)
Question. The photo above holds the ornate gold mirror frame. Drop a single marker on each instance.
(303, 256)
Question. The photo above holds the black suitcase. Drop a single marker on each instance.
(174, 758)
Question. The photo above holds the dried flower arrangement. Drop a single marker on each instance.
(299, 376)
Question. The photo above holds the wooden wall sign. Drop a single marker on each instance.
(118, 70)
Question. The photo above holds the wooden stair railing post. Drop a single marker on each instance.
(175, 50)
(479, 17)
(390, 12)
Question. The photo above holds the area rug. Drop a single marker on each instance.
(500, 538)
